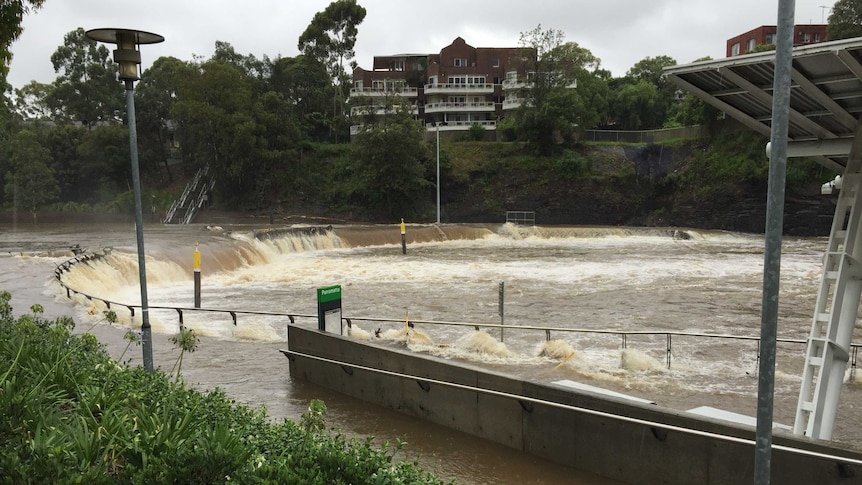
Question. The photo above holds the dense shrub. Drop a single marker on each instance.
(70, 414)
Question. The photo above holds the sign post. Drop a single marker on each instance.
(329, 309)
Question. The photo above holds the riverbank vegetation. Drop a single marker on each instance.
(70, 414)
(277, 134)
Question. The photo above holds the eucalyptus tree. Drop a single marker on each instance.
(387, 165)
(215, 124)
(86, 89)
(156, 94)
(329, 39)
(644, 98)
(566, 94)
(305, 84)
(29, 182)
(31, 102)
(11, 15)
(845, 21)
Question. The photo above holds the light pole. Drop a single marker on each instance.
(438, 172)
(128, 57)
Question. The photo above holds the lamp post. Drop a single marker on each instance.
(438, 172)
(128, 57)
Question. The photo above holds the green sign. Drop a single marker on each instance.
(330, 293)
(329, 309)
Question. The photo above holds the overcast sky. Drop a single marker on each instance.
(619, 32)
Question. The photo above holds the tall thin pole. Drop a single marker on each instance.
(772, 251)
(146, 332)
(438, 172)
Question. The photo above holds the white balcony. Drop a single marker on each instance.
(378, 110)
(463, 125)
(406, 91)
(512, 103)
(515, 85)
(459, 88)
(484, 106)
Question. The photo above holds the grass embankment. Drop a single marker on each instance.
(70, 414)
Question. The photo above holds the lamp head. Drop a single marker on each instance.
(126, 54)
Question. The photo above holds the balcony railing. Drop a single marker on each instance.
(406, 91)
(516, 84)
(458, 88)
(459, 107)
(378, 110)
(512, 103)
(463, 125)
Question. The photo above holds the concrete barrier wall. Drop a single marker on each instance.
(630, 452)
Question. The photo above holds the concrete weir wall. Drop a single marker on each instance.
(632, 452)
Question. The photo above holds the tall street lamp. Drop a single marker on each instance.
(128, 57)
(438, 172)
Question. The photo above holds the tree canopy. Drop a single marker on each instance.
(845, 21)
(11, 15)
(253, 120)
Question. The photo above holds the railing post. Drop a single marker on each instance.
(196, 264)
(502, 310)
(669, 337)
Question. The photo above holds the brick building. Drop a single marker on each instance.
(458, 87)
(765, 34)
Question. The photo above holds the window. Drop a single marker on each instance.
(418, 66)
(734, 49)
(460, 62)
(751, 45)
(804, 37)
(358, 84)
(512, 76)
(770, 38)
(399, 65)
(496, 62)
(817, 37)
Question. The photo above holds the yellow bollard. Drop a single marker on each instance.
(196, 263)
(403, 237)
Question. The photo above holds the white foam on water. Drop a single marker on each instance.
(358, 333)
(633, 359)
(480, 342)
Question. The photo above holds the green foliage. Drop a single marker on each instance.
(572, 165)
(567, 91)
(476, 132)
(11, 15)
(845, 21)
(69, 414)
(186, 340)
(388, 166)
(730, 157)
(29, 182)
(86, 89)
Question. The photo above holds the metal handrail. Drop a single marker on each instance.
(292, 354)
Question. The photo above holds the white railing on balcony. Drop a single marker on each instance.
(512, 103)
(510, 85)
(462, 125)
(398, 91)
(378, 110)
(478, 106)
(458, 88)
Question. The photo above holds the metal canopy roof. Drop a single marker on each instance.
(825, 99)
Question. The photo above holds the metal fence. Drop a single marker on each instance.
(623, 336)
(644, 136)
(523, 218)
